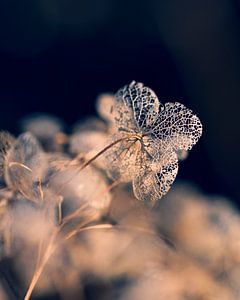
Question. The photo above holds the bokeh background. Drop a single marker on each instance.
(57, 56)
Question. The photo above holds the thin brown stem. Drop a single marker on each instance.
(40, 189)
(50, 249)
(59, 212)
(101, 152)
(76, 231)
(18, 164)
(87, 163)
(80, 209)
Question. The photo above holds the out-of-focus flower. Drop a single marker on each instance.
(6, 141)
(25, 166)
(88, 138)
(86, 188)
(47, 129)
(105, 105)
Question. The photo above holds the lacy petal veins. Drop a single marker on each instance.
(151, 135)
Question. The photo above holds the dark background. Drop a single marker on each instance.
(56, 56)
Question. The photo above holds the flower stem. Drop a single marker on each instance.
(51, 246)
(87, 163)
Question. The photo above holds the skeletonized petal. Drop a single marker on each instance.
(137, 107)
(177, 127)
(150, 186)
(121, 159)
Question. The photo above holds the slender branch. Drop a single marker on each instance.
(80, 209)
(87, 163)
(76, 231)
(51, 247)
(37, 274)
(50, 250)
(18, 164)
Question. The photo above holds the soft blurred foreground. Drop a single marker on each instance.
(93, 239)
(187, 248)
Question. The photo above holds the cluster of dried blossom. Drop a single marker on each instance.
(58, 196)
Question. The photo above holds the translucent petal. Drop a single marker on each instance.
(121, 159)
(157, 137)
(137, 107)
(151, 147)
(124, 118)
(177, 127)
(25, 166)
(150, 186)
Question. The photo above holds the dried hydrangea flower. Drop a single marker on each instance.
(25, 166)
(89, 124)
(6, 141)
(150, 137)
(47, 129)
(88, 137)
(88, 188)
(42, 125)
(104, 106)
